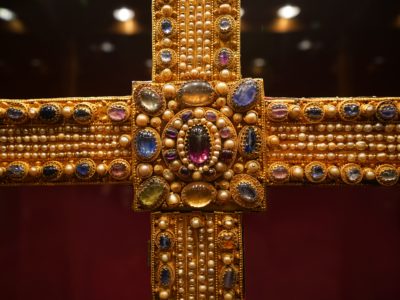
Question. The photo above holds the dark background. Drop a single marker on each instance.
(84, 243)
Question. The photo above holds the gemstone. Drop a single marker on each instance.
(227, 240)
(171, 132)
(153, 192)
(278, 111)
(83, 169)
(198, 144)
(50, 172)
(196, 93)
(49, 113)
(250, 141)
(146, 144)
(387, 112)
(225, 25)
(229, 279)
(317, 173)
(210, 173)
(15, 114)
(351, 110)
(170, 155)
(165, 276)
(224, 57)
(119, 169)
(16, 171)
(166, 26)
(185, 172)
(150, 101)
(246, 95)
(164, 242)
(354, 174)
(187, 115)
(314, 113)
(225, 133)
(198, 194)
(226, 156)
(388, 176)
(247, 192)
(280, 173)
(82, 114)
(118, 113)
(166, 56)
(211, 116)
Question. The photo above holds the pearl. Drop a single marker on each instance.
(273, 140)
(69, 169)
(222, 88)
(164, 294)
(224, 195)
(101, 169)
(294, 112)
(334, 172)
(142, 120)
(251, 118)
(227, 259)
(164, 257)
(227, 111)
(163, 223)
(155, 122)
(145, 170)
(228, 296)
(297, 173)
(369, 174)
(196, 223)
(124, 140)
(67, 112)
(330, 111)
(34, 171)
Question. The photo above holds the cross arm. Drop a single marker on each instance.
(65, 141)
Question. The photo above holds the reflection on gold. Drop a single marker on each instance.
(281, 25)
(129, 27)
(15, 26)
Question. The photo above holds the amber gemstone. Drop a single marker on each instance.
(196, 93)
(198, 194)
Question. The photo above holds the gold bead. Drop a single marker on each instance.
(273, 141)
(228, 296)
(199, 113)
(330, 111)
(34, 171)
(237, 118)
(67, 112)
(142, 120)
(229, 144)
(227, 259)
(251, 118)
(369, 174)
(155, 122)
(167, 10)
(173, 200)
(197, 176)
(176, 187)
(196, 223)
(69, 169)
(169, 91)
(294, 112)
(238, 168)
(334, 172)
(297, 173)
(168, 175)
(173, 105)
(166, 74)
(164, 294)
(227, 111)
(168, 115)
(145, 170)
(222, 88)
(101, 169)
(224, 196)
(220, 102)
(32, 113)
(124, 140)
(252, 167)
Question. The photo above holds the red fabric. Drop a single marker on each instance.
(84, 243)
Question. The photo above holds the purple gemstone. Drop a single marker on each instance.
(118, 170)
(198, 145)
(226, 155)
(225, 133)
(279, 111)
(280, 173)
(184, 172)
(211, 116)
(171, 133)
(224, 58)
(117, 114)
(186, 116)
(170, 155)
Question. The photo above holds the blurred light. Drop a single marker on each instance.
(305, 45)
(36, 63)
(259, 63)
(397, 22)
(7, 14)
(107, 47)
(124, 14)
(129, 27)
(242, 12)
(148, 63)
(288, 11)
(281, 25)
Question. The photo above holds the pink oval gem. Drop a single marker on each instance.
(280, 173)
(278, 111)
(117, 114)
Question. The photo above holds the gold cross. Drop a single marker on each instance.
(199, 144)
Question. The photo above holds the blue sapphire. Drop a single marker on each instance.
(250, 141)
(146, 144)
(247, 192)
(314, 113)
(317, 173)
(164, 242)
(229, 279)
(82, 114)
(15, 114)
(387, 112)
(351, 110)
(225, 25)
(166, 56)
(165, 276)
(83, 169)
(166, 26)
(16, 171)
(49, 113)
(50, 172)
(245, 95)
(186, 116)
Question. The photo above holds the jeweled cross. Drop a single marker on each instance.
(199, 144)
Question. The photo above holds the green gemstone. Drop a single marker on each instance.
(152, 193)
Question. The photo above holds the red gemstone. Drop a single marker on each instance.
(198, 145)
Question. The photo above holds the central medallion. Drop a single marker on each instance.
(198, 145)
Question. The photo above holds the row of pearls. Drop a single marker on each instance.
(337, 127)
(63, 130)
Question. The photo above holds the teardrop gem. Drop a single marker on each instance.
(198, 145)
